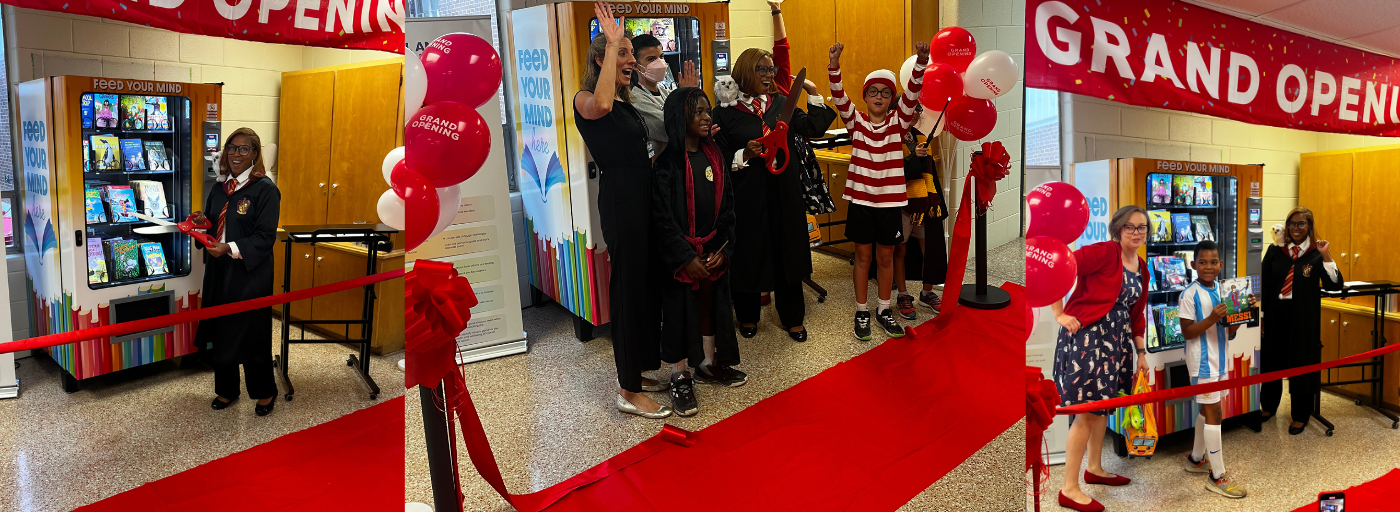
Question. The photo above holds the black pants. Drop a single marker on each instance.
(1278, 353)
(257, 376)
(787, 299)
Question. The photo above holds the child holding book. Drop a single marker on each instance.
(693, 226)
(875, 183)
(1200, 311)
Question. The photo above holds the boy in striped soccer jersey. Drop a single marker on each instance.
(1200, 311)
(875, 179)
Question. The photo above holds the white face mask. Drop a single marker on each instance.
(656, 71)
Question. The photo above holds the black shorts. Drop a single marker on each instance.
(871, 225)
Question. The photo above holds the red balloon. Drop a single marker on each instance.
(970, 118)
(421, 204)
(942, 84)
(446, 142)
(463, 68)
(1050, 270)
(954, 46)
(1057, 210)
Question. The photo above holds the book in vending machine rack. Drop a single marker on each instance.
(154, 256)
(1181, 222)
(1161, 185)
(1171, 326)
(106, 153)
(96, 209)
(1201, 187)
(1161, 222)
(105, 107)
(126, 259)
(122, 202)
(1185, 191)
(156, 158)
(96, 261)
(133, 112)
(87, 155)
(1171, 270)
(1203, 229)
(156, 116)
(133, 157)
(150, 198)
(87, 112)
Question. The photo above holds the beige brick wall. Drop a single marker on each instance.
(1100, 129)
(52, 44)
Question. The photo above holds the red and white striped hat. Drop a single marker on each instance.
(880, 76)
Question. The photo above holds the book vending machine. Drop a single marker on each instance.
(1188, 202)
(97, 153)
(567, 257)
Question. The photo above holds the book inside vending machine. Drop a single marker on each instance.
(124, 151)
(1186, 203)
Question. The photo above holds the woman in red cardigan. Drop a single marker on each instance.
(1102, 326)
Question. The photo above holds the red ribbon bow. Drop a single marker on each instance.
(1041, 398)
(989, 167)
(437, 308)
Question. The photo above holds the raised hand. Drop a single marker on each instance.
(612, 28)
(774, 4)
(922, 49)
(810, 87)
(835, 52)
(689, 77)
(1322, 247)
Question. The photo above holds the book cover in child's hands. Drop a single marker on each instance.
(1235, 295)
(1185, 187)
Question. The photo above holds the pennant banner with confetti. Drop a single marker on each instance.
(1177, 56)
(362, 25)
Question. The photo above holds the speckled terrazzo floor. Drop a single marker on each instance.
(549, 413)
(59, 451)
(1281, 472)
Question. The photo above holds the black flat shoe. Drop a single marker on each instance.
(798, 336)
(1264, 416)
(1293, 431)
(748, 332)
(220, 405)
(264, 410)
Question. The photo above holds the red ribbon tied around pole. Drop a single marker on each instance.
(437, 308)
(1041, 398)
(989, 168)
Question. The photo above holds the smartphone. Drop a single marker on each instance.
(1331, 501)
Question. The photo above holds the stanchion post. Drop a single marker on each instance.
(979, 295)
(440, 471)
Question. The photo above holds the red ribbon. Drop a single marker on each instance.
(196, 315)
(989, 167)
(437, 307)
(1199, 389)
(1041, 398)
(676, 435)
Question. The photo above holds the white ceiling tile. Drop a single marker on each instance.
(1341, 19)
(1386, 41)
(1252, 7)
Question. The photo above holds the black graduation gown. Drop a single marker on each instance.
(770, 210)
(251, 222)
(680, 326)
(1293, 339)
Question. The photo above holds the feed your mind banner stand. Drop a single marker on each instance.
(1176, 56)
(480, 243)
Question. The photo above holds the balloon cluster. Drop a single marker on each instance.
(959, 84)
(445, 140)
(1058, 216)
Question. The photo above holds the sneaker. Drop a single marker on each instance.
(1197, 466)
(1225, 486)
(905, 303)
(722, 375)
(863, 325)
(888, 323)
(683, 394)
(931, 300)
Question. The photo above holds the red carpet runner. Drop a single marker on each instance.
(348, 464)
(1379, 495)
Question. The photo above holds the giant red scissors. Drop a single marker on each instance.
(776, 140)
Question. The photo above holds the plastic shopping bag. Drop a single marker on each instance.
(1139, 421)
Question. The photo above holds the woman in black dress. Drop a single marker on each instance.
(1293, 279)
(771, 251)
(244, 209)
(619, 143)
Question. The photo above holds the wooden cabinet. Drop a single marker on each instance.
(303, 265)
(331, 263)
(1331, 337)
(1346, 331)
(1374, 219)
(1354, 337)
(338, 122)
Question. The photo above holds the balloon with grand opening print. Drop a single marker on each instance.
(990, 75)
(953, 46)
(1050, 270)
(970, 119)
(463, 68)
(415, 84)
(942, 85)
(446, 142)
(422, 206)
(1057, 210)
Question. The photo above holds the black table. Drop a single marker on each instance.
(376, 238)
(1381, 290)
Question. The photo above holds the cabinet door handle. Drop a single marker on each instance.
(1356, 256)
(319, 185)
(308, 256)
(318, 258)
(1344, 324)
(1334, 321)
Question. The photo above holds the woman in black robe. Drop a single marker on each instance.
(1292, 323)
(771, 246)
(239, 268)
(693, 233)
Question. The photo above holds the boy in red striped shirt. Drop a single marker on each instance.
(875, 179)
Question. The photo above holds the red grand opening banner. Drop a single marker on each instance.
(352, 24)
(1176, 56)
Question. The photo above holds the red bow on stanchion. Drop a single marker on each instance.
(989, 167)
(1041, 399)
(437, 308)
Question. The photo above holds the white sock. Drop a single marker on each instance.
(861, 307)
(709, 343)
(1198, 450)
(1217, 458)
(884, 305)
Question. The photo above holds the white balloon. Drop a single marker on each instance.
(906, 71)
(415, 84)
(391, 210)
(990, 75)
(925, 124)
(450, 198)
(390, 160)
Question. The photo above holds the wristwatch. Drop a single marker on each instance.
(777, 12)
(1142, 351)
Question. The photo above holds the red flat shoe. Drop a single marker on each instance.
(1090, 478)
(1092, 506)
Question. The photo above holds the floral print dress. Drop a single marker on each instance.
(1096, 362)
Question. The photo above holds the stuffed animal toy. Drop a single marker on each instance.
(1277, 230)
(726, 91)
